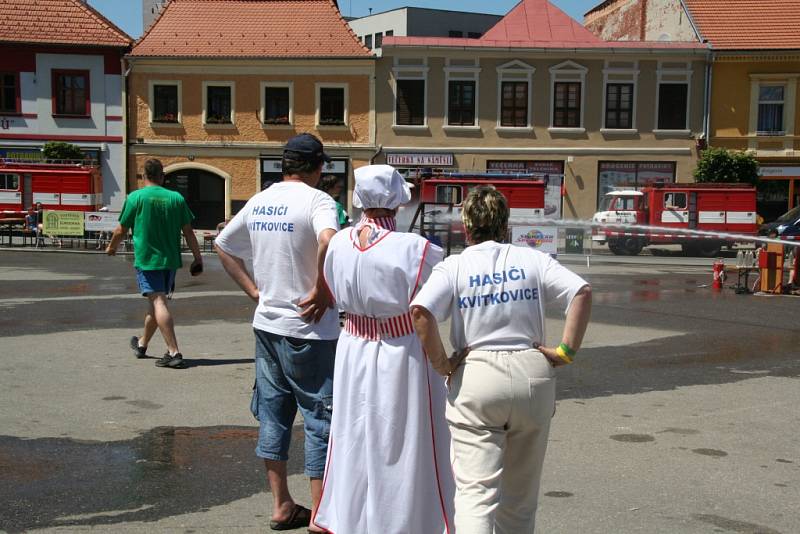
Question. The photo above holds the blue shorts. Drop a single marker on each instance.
(162, 281)
(292, 373)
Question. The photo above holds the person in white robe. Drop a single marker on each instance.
(388, 467)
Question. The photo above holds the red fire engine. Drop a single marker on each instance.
(525, 194)
(70, 186)
(718, 208)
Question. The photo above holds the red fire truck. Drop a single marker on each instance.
(62, 185)
(525, 194)
(717, 208)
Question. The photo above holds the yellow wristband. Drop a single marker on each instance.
(563, 355)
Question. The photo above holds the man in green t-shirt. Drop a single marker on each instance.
(157, 216)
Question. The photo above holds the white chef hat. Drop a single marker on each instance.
(380, 186)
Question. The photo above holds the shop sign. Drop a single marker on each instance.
(420, 160)
(271, 165)
(63, 223)
(101, 221)
(542, 238)
(779, 171)
(527, 167)
(26, 154)
(337, 166)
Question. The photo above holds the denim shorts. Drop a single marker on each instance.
(293, 373)
(162, 281)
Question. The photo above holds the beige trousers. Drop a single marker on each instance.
(499, 409)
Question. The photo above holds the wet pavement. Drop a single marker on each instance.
(680, 416)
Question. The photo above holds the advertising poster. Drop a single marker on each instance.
(541, 238)
(573, 240)
(101, 221)
(63, 223)
(552, 170)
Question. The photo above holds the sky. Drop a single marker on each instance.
(127, 14)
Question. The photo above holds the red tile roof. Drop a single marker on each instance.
(250, 28)
(535, 24)
(748, 24)
(454, 42)
(62, 22)
(539, 21)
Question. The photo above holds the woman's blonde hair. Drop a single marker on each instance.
(485, 214)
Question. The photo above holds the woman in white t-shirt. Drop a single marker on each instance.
(502, 398)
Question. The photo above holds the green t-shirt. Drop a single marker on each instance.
(341, 214)
(156, 216)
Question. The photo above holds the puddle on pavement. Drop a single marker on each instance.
(167, 471)
(714, 453)
(633, 438)
(559, 494)
(679, 431)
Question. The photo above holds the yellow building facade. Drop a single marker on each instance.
(216, 99)
(220, 164)
(754, 106)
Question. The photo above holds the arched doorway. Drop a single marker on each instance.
(204, 192)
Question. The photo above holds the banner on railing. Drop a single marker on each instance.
(541, 238)
(63, 223)
(101, 221)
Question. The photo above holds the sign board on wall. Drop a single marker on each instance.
(26, 154)
(553, 170)
(101, 221)
(337, 166)
(63, 223)
(272, 172)
(779, 171)
(419, 160)
(542, 238)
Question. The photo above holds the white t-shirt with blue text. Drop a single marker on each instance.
(278, 231)
(495, 294)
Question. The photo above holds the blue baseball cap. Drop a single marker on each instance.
(307, 147)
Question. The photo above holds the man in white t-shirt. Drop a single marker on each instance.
(284, 231)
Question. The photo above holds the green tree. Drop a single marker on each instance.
(60, 150)
(726, 166)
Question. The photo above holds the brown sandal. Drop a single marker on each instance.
(300, 517)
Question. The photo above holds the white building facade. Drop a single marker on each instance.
(70, 90)
(420, 22)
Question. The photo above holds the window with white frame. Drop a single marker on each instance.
(567, 101)
(567, 81)
(619, 106)
(514, 80)
(218, 99)
(165, 101)
(462, 90)
(276, 103)
(770, 109)
(672, 102)
(410, 92)
(331, 104)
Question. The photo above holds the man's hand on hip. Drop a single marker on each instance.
(316, 304)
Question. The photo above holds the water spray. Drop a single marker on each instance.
(633, 229)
